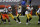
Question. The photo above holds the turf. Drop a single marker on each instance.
(34, 23)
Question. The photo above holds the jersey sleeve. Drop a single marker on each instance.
(38, 11)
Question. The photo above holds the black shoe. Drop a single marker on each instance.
(38, 23)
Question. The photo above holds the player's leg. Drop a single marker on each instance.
(18, 18)
(27, 15)
(30, 17)
(39, 20)
(7, 18)
(12, 17)
(3, 18)
(27, 18)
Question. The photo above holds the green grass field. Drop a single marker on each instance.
(34, 23)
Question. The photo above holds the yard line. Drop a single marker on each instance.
(24, 16)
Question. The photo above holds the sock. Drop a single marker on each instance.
(5, 20)
(27, 20)
(30, 19)
(8, 20)
(39, 18)
(14, 19)
(2, 20)
(18, 19)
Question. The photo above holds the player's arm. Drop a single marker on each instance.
(37, 12)
(26, 8)
(32, 8)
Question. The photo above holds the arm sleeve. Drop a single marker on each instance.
(38, 11)
(36, 14)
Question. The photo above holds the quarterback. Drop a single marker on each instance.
(19, 12)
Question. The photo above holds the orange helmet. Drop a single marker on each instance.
(39, 6)
(9, 6)
(27, 5)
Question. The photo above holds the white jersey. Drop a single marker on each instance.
(28, 10)
(19, 9)
(5, 10)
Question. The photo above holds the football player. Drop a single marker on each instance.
(29, 16)
(5, 16)
(19, 12)
(10, 13)
(38, 14)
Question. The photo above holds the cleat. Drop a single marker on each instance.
(26, 23)
(38, 22)
(19, 22)
(4, 23)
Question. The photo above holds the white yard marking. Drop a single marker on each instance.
(25, 16)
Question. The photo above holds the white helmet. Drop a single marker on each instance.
(9, 7)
